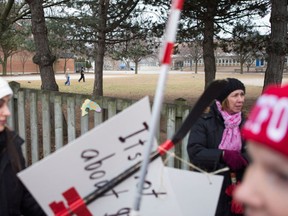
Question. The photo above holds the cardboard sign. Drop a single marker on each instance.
(101, 154)
(196, 193)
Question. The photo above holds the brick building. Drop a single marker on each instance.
(22, 63)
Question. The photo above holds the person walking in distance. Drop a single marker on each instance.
(82, 76)
(15, 199)
(67, 82)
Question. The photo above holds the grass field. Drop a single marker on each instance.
(187, 86)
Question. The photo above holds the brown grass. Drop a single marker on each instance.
(186, 86)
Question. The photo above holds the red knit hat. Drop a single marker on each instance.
(267, 123)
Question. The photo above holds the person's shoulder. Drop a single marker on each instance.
(15, 138)
(206, 115)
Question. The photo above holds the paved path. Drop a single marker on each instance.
(58, 77)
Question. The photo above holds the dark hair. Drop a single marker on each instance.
(12, 151)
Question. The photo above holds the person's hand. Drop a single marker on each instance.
(234, 160)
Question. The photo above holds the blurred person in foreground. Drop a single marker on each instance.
(15, 200)
(264, 190)
(215, 142)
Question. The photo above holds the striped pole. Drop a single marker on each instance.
(170, 35)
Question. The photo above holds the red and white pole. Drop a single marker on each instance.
(168, 45)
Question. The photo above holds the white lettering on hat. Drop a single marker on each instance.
(278, 124)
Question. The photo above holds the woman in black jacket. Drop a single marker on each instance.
(15, 200)
(215, 142)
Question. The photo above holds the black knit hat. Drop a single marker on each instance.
(233, 84)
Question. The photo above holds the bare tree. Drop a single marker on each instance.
(245, 43)
(103, 23)
(211, 17)
(192, 51)
(24, 55)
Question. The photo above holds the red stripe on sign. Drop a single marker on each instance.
(178, 4)
(166, 146)
(76, 203)
(167, 53)
(59, 209)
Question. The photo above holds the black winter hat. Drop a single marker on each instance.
(233, 84)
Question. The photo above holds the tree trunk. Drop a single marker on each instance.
(11, 60)
(43, 57)
(136, 67)
(241, 65)
(208, 45)
(196, 66)
(277, 48)
(4, 64)
(99, 61)
(98, 83)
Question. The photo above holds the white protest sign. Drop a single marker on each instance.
(197, 194)
(96, 157)
(100, 155)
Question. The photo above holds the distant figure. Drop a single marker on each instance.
(82, 75)
(67, 79)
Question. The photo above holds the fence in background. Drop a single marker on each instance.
(48, 120)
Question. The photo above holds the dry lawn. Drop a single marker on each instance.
(187, 86)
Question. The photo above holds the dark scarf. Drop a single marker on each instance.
(3, 145)
(3, 141)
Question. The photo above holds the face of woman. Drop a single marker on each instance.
(4, 111)
(264, 189)
(235, 101)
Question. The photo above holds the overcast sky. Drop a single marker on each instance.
(264, 24)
